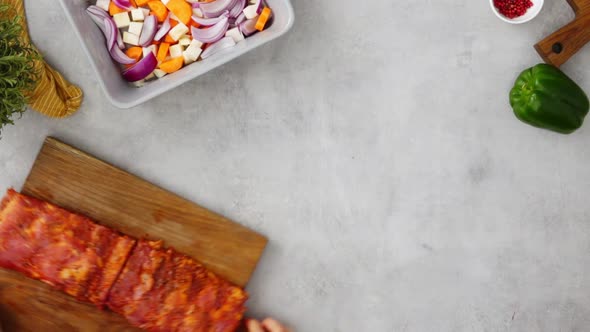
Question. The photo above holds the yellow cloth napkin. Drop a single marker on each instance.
(53, 96)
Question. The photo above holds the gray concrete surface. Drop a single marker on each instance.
(375, 146)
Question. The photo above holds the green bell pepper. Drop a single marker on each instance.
(543, 96)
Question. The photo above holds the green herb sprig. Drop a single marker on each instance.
(17, 67)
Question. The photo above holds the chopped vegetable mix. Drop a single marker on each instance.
(152, 38)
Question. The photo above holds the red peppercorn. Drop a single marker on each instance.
(513, 8)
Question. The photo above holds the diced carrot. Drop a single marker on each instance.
(181, 9)
(155, 42)
(134, 52)
(163, 51)
(173, 23)
(262, 19)
(141, 3)
(169, 39)
(133, 3)
(114, 9)
(158, 8)
(172, 65)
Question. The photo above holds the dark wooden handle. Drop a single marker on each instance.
(565, 42)
(579, 6)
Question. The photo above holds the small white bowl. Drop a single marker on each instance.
(529, 15)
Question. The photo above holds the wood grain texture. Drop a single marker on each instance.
(28, 305)
(560, 46)
(81, 183)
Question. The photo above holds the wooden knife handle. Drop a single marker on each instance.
(565, 42)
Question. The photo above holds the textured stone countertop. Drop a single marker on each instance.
(375, 146)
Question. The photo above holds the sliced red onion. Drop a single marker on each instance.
(120, 40)
(150, 25)
(163, 29)
(98, 15)
(106, 24)
(210, 21)
(110, 32)
(237, 9)
(212, 34)
(248, 27)
(241, 18)
(120, 57)
(123, 4)
(196, 4)
(220, 45)
(141, 69)
(217, 7)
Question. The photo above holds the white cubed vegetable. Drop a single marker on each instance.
(235, 34)
(146, 12)
(159, 73)
(191, 54)
(130, 38)
(150, 76)
(139, 84)
(104, 4)
(187, 58)
(178, 31)
(147, 50)
(198, 12)
(137, 15)
(184, 40)
(135, 28)
(175, 51)
(121, 20)
(251, 11)
(196, 43)
(165, 2)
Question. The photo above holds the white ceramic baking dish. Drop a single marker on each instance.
(124, 95)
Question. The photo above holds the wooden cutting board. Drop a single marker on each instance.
(81, 183)
(561, 45)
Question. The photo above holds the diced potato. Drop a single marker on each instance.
(176, 51)
(147, 50)
(235, 34)
(121, 20)
(137, 15)
(150, 76)
(130, 38)
(159, 73)
(178, 31)
(184, 40)
(192, 52)
(103, 4)
(251, 11)
(135, 28)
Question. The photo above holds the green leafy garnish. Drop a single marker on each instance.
(17, 67)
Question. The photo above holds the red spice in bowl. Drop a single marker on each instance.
(513, 8)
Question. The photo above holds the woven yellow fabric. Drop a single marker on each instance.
(53, 96)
